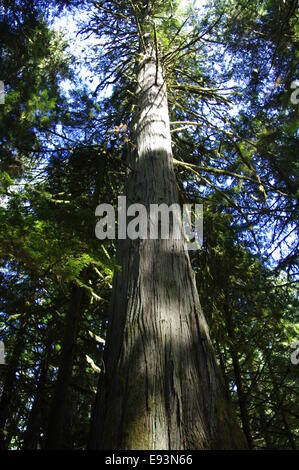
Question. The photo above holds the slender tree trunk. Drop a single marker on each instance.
(161, 388)
(9, 384)
(32, 432)
(59, 403)
(265, 425)
(221, 359)
(238, 377)
(288, 431)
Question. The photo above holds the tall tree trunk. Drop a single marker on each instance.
(9, 384)
(32, 433)
(161, 388)
(59, 403)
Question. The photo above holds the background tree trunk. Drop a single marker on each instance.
(238, 376)
(162, 388)
(32, 432)
(9, 384)
(59, 402)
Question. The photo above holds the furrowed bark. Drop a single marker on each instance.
(162, 388)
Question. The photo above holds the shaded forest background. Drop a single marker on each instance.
(234, 117)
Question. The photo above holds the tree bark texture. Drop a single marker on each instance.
(162, 388)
